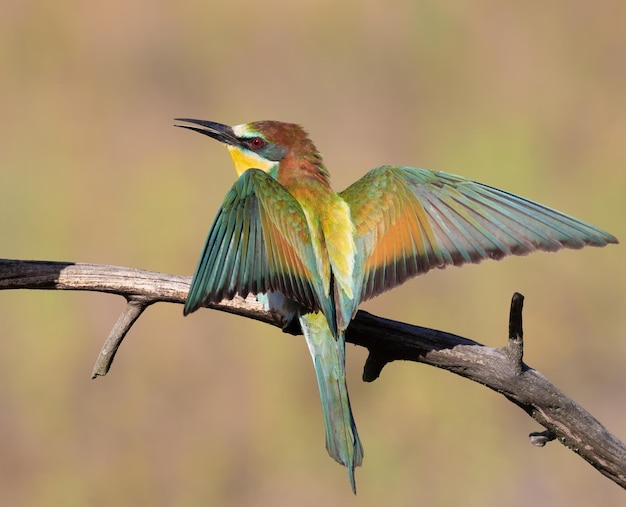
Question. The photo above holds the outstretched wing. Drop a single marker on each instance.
(259, 242)
(409, 221)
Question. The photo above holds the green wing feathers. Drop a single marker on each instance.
(409, 221)
(259, 242)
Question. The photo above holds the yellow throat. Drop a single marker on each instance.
(244, 160)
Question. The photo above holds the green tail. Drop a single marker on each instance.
(342, 439)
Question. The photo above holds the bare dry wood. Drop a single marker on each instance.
(500, 369)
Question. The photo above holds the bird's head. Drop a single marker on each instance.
(271, 146)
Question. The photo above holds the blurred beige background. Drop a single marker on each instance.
(216, 410)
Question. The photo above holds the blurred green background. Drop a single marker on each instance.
(217, 410)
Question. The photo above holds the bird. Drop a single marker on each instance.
(312, 255)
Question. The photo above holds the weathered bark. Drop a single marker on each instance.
(500, 369)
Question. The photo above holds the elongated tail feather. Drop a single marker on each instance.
(342, 439)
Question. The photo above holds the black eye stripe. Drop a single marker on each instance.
(264, 149)
(254, 143)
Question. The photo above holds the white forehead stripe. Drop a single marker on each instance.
(241, 130)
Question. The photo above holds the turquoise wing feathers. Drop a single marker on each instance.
(409, 221)
(259, 242)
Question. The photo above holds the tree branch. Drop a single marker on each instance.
(500, 369)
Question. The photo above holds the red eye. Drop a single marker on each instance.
(256, 142)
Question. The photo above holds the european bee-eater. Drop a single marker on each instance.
(313, 254)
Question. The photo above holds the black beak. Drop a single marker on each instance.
(222, 133)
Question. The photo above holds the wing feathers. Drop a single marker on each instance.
(409, 221)
(258, 242)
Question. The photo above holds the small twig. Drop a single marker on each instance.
(374, 365)
(134, 308)
(515, 347)
(541, 438)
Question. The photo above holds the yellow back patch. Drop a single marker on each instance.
(339, 235)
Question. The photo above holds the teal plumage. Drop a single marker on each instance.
(313, 254)
(239, 254)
